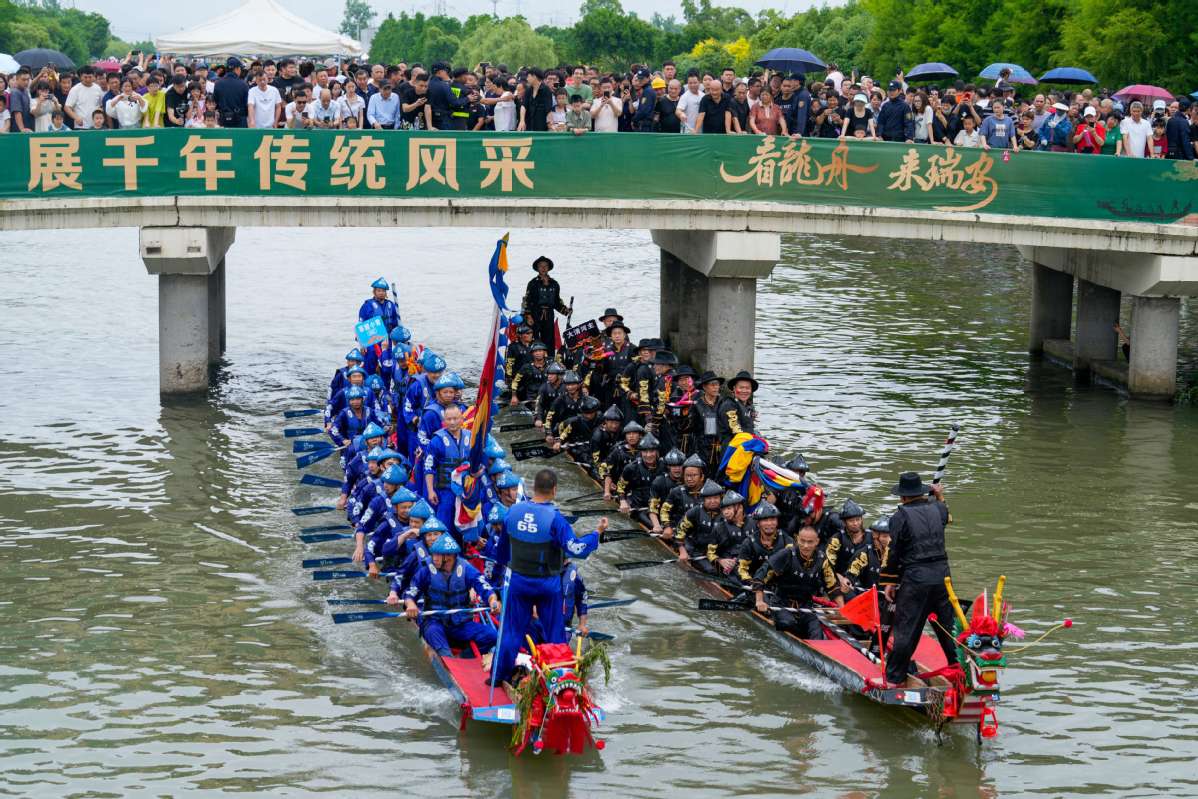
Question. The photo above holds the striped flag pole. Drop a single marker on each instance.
(949, 444)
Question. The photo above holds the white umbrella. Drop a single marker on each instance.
(8, 64)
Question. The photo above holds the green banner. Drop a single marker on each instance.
(625, 166)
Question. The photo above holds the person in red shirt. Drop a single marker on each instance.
(1158, 146)
(1089, 134)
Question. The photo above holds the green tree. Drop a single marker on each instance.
(358, 15)
(509, 41)
(614, 40)
(1106, 49)
(439, 45)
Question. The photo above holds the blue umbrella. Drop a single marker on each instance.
(933, 71)
(1075, 75)
(1194, 95)
(1018, 73)
(792, 59)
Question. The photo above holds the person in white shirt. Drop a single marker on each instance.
(128, 107)
(505, 107)
(324, 112)
(968, 135)
(263, 102)
(1136, 132)
(606, 109)
(84, 98)
(352, 104)
(688, 103)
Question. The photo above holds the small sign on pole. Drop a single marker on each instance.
(371, 332)
(580, 334)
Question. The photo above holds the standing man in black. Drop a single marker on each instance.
(1177, 135)
(232, 95)
(916, 564)
(542, 297)
(538, 102)
(443, 101)
(895, 120)
(800, 115)
(646, 109)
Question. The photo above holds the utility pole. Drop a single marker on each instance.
(495, 9)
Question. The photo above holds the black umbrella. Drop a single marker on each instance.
(40, 57)
(791, 59)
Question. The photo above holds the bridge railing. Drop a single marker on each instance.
(231, 162)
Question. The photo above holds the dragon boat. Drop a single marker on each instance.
(965, 695)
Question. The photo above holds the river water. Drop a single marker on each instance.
(157, 636)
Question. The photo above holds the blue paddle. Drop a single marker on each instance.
(313, 509)
(373, 615)
(594, 636)
(320, 538)
(317, 480)
(297, 414)
(316, 563)
(323, 576)
(322, 528)
(296, 432)
(307, 445)
(356, 601)
(304, 461)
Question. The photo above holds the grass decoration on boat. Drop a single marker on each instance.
(555, 707)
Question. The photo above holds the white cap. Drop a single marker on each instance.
(1090, 111)
(1158, 105)
(860, 98)
(1060, 106)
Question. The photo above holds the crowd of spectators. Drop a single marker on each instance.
(578, 100)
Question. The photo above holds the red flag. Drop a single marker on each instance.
(862, 610)
(557, 337)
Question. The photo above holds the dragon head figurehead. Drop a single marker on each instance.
(980, 640)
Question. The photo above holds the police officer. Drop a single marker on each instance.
(443, 100)
(379, 305)
(534, 544)
(913, 573)
(895, 120)
(542, 297)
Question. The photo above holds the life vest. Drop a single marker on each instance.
(455, 454)
(447, 591)
(534, 553)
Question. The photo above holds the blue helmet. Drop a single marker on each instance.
(355, 370)
(432, 362)
(375, 382)
(380, 284)
(493, 450)
(355, 392)
(433, 525)
(395, 475)
(499, 467)
(421, 510)
(508, 480)
(456, 379)
(401, 334)
(373, 430)
(403, 494)
(354, 355)
(444, 381)
(498, 514)
(445, 545)
(375, 454)
(471, 536)
(389, 453)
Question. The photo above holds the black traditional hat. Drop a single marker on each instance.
(910, 485)
(741, 376)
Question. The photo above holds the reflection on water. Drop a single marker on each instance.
(157, 637)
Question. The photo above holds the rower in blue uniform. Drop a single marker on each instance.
(448, 450)
(354, 376)
(425, 531)
(534, 544)
(418, 396)
(352, 358)
(354, 418)
(446, 586)
(444, 391)
(379, 305)
(359, 471)
(374, 517)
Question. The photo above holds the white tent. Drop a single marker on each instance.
(259, 28)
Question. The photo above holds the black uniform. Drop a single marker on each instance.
(864, 570)
(894, 121)
(564, 406)
(518, 354)
(842, 552)
(529, 380)
(917, 563)
(753, 553)
(796, 581)
(659, 492)
(660, 395)
(698, 531)
(678, 502)
(617, 458)
(602, 379)
(734, 417)
(635, 481)
(641, 381)
(547, 394)
(729, 538)
(705, 424)
(575, 433)
(540, 301)
(602, 442)
(828, 526)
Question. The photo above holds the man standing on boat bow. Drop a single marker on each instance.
(534, 543)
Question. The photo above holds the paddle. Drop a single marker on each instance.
(511, 428)
(362, 601)
(611, 603)
(597, 511)
(607, 603)
(304, 461)
(297, 414)
(312, 509)
(374, 615)
(307, 445)
(296, 432)
(320, 538)
(316, 563)
(577, 497)
(594, 636)
(609, 536)
(535, 450)
(344, 575)
(317, 480)
(321, 528)
(643, 564)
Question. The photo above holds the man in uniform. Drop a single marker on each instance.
(547, 395)
(797, 574)
(826, 523)
(663, 484)
(419, 395)
(379, 305)
(632, 489)
(604, 439)
(567, 402)
(447, 586)
(619, 354)
(895, 121)
(736, 413)
(542, 297)
(448, 449)
(534, 544)
(660, 391)
(913, 573)
(682, 497)
(641, 377)
(863, 572)
(706, 421)
(528, 381)
(763, 540)
(730, 530)
(698, 534)
(519, 352)
(846, 544)
(575, 432)
(618, 457)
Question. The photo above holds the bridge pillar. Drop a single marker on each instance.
(1152, 371)
(1052, 306)
(671, 277)
(189, 263)
(716, 297)
(1097, 315)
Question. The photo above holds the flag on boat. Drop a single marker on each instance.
(862, 610)
(737, 466)
(467, 488)
(777, 478)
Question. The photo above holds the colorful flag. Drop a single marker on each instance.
(737, 466)
(862, 610)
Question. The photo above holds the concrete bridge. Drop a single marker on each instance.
(718, 232)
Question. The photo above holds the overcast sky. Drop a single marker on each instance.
(138, 19)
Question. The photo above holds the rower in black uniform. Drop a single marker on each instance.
(604, 438)
(706, 421)
(528, 381)
(661, 488)
(697, 532)
(913, 573)
(632, 489)
(683, 497)
(797, 574)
